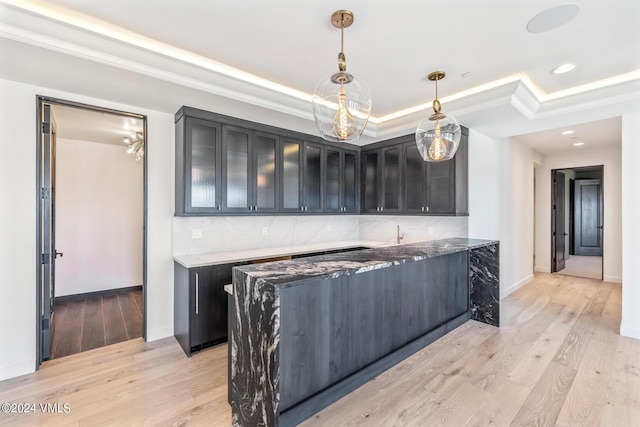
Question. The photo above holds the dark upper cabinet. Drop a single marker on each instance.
(230, 166)
(341, 180)
(249, 173)
(198, 166)
(382, 180)
(426, 188)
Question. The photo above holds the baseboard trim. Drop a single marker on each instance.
(613, 279)
(18, 369)
(96, 294)
(511, 289)
(629, 332)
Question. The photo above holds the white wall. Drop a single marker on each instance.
(99, 217)
(18, 221)
(630, 325)
(501, 203)
(581, 156)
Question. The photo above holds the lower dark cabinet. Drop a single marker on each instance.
(200, 305)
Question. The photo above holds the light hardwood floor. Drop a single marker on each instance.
(557, 360)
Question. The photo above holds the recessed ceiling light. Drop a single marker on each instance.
(578, 144)
(567, 132)
(564, 68)
(552, 18)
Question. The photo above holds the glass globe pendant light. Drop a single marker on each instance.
(341, 102)
(438, 136)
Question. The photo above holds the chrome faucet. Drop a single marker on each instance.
(398, 236)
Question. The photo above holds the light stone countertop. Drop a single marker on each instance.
(214, 258)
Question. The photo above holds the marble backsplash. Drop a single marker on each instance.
(414, 228)
(231, 233)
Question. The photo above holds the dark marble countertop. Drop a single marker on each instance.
(286, 273)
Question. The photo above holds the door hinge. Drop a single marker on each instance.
(44, 258)
(44, 192)
(45, 324)
(46, 127)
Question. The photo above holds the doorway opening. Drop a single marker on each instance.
(91, 231)
(577, 232)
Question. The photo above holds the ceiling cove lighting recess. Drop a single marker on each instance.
(578, 144)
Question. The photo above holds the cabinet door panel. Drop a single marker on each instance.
(414, 179)
(332, 181)
(392, 181)
(208, 307)
(313, 178)
(350, 193)
(202, 139)
(236, 171)
(291, 152)
(441, 187)
(265, 182)
(371, 195)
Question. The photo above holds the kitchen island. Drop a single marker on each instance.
(306, 332)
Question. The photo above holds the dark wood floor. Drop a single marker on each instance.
(96, 322)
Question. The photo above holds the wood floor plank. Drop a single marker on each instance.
(114, 329)
(93, 325)
(546, 399)
(69, 318)
(131, 314)
(137, 296)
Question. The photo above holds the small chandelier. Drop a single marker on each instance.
(135, 144)
(438, 136)
(341, 102)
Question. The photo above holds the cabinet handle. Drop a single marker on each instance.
(423, 209)
(197, 292)
(427, 208)
(217, 207)
(301, 208)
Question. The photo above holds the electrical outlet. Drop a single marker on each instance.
(196, 233)
(265, 231)
(429, 231)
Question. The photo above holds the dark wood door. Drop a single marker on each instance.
(441, 196)
(203, 164)
(48, 231)
(558, 223)
(371, 181)
(264, 174)
(290, 175)
(588, 217)
(415, 196)
(312, 183)
(392, 179)
(350, 182)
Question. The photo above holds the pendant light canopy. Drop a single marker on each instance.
(341, 102)
(438, 136)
